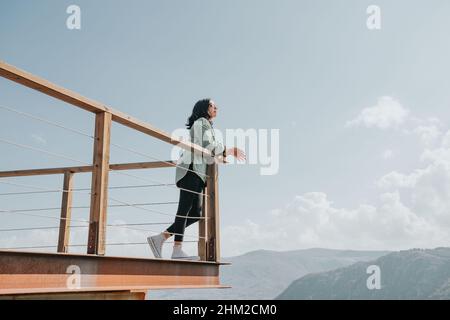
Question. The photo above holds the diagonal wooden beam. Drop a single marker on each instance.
(34, 82)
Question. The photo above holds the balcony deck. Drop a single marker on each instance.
(32, 274)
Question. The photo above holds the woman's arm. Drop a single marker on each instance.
(204, 136)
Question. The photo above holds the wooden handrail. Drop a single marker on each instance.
(34, 82)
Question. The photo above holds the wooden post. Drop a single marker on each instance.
(66, 212)
(99, 186)
(213, 218)
(202, 230)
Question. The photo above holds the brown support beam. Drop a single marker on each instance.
(213, 218)
(99, 187)
(44, 172)
(66, 212)
(202, 231)
(83, 169)
(95, 295)
(34, 273)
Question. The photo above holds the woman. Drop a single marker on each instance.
(191, 178)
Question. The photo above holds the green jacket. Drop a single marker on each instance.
(202, 134)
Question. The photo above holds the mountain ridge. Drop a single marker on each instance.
(406, 274)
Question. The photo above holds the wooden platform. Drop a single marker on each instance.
(49, 275)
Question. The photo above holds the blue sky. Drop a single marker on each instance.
(303, 67)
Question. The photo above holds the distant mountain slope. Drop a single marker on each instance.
(264, 274)
(410, 274)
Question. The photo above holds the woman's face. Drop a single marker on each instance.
(212, 110)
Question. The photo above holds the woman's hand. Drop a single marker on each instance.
(237, 153)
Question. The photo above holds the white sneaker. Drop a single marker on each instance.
(156, 243)
(178, 253)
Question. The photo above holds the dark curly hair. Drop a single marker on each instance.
(200, 110)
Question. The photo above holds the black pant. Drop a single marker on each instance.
(190, 204)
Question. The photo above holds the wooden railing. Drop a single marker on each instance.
(208, 245)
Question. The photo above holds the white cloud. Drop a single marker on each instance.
(412, 210)
(311, 220)
(33, 238)
(440, 155)
(387, 113)
(446, 140)
(395, 179)
(427, 134)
